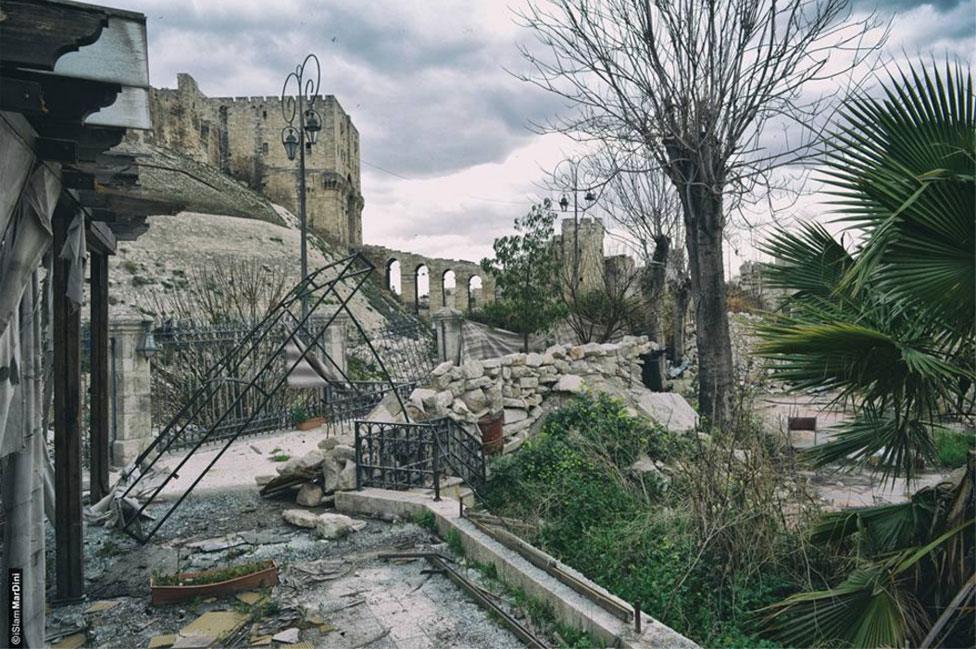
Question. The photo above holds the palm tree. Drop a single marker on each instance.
(889, 327)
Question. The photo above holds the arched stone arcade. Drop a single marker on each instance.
(445, 282)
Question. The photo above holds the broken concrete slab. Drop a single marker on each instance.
(163, 641)
(334, 526)
(103, 605)
(300, 517)
(216, 625)
(288, 636)
(347, 477)
(307, 464)
(195, 642)
(309, 495)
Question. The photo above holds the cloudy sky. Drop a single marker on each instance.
(448, 155)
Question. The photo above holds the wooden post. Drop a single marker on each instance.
(101, 244)
(98, 481)
(68, 530)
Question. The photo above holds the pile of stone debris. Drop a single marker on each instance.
(317, 474)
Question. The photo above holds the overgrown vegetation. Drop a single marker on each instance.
(701, 542)
(888, 327)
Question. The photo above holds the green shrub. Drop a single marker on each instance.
(425, 518)
(665, 548)
(952, 448)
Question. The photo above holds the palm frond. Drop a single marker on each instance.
(902, 170)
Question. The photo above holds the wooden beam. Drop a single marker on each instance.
(100, 238)
(100, 386)
(68, 529)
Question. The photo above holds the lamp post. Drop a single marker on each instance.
(590, 199)
(302, 126)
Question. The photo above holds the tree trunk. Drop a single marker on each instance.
(681, 291)
(654, 281)
(704, 223)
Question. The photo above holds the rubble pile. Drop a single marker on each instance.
(525, 386)
(318, 474)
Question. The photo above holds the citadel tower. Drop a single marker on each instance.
(241, 136)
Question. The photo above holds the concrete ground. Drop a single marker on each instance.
(858, 487)
(247, 457)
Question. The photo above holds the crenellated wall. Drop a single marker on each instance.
(464, 297)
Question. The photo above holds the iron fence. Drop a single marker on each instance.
(395, 455)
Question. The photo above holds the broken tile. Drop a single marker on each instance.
(288, 636)
(215, 624)
(73, 641)
(103, 605)
(260, 641)
(195, 642)
(162, 641)
(250, 597)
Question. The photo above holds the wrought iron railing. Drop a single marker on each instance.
(396, 455)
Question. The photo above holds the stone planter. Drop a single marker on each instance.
(264, 577)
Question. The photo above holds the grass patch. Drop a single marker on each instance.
(425, 518)
(952, 448)
(280, 457)
(454, 542)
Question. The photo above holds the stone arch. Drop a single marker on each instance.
(394, 276)
(449, 286)
(423, 286)
(474, 288)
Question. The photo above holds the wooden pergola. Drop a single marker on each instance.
(73, 78)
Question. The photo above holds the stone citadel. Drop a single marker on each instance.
(241, 136)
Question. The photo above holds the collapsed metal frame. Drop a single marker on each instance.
(355, 268)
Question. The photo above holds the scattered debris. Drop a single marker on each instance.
(73, 641)
(103, 605)
(288, 636)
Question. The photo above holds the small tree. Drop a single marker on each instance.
(525, 272)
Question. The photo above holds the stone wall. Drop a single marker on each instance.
(241, 136)
(523, 385)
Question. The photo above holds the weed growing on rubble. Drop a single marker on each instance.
(704, 537)
(425, 519)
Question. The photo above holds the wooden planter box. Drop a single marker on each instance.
(309, 424)
(264, 577)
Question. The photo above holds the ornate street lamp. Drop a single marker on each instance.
(589, 197)
(301, 131)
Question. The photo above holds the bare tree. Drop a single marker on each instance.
(694, 83)
(644, 204)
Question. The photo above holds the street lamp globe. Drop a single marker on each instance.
(313, 124)
(289, 138)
